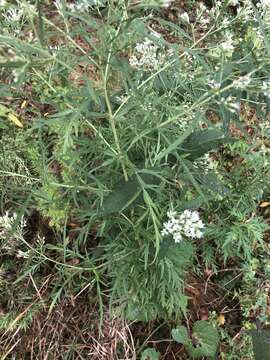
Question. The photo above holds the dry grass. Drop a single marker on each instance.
(71, 331)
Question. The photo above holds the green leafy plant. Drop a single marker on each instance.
(261, 343)
(203, 342)
(135, 144)
(150, 354)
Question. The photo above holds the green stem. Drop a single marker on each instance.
(109, 107)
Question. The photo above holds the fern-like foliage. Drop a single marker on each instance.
(145, 287)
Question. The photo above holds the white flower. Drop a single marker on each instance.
(166, 3)
(227, 45)
(225, 22)
(207, 163)
(215, 85)
(242, 82)
(246, 12)
(22, 254)
(266, 88)
(187, 224)
(27, 9)
(13, 15)
(185, 17)
(83, 5)
(202, 8)
(263, 4)
(146, 56)
(3, 3)
(233, 2)
(230, 103)
(54, 49)
(7, 221)
(9, 233)
(59, 6)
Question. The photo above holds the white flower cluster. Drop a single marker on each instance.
(214, 85)
(13, 15)
(83, 5)
(230, 103)
(185, 120)
(166, 3)
(242, 82)
(264, 8)
(120, 98)
(11, 236)
(245, 12)
(265, 128)
(147, 56)
(28, 10)
(206, 162)
(59, 6)
(17, 14)
(233, 2)
(7, 230)
(203, 15)
(188, 224)
(228, 45)
(266, 88)
(7, 221)
(184, 16)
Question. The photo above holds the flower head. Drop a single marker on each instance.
(187, 224)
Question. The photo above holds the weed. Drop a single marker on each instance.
(138, 135)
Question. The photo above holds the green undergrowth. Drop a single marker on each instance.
(135, 159)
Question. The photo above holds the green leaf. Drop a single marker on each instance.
(180, 254)
(175, 144)
(128, 193)
(180, 335)
(261, 344)
(3, 126)
(201, 142)
(4, 110)
(213, 183)
(150, 354)
(205, 340)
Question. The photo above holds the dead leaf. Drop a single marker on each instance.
(264, 204)
(73, 261)
(73, 225)
(221, 319)
(23, 105)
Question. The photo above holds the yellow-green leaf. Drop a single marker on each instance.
(15, 120)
